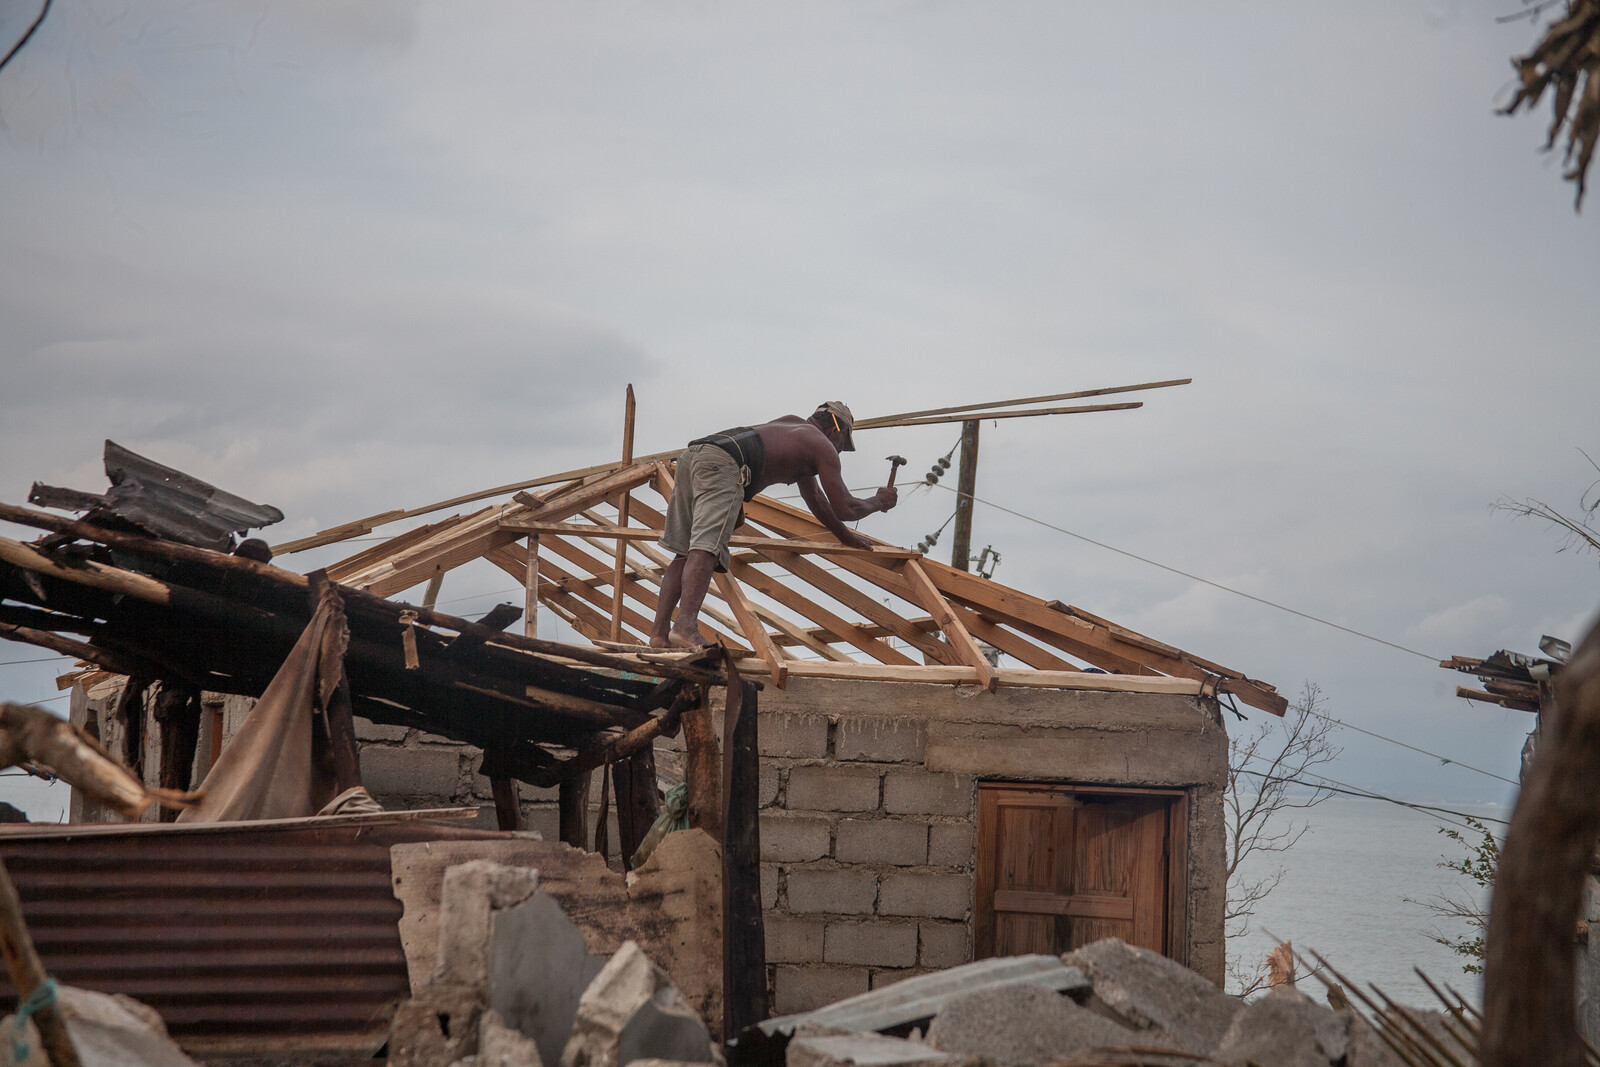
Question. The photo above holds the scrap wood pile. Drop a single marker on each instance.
(109, 590)
(1511, 679)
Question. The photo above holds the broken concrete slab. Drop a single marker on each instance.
(501, 1046)
(1151, 994)
(437, 1025)
(633, 1011)
(539, 971)
(107, 1030)
(1287, 1029)
(862, 1050)
(1025, 1024)
(474, 896)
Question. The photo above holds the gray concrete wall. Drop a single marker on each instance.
(869, 808)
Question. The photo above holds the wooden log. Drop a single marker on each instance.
(507, 804)
(1529, 1005)
(591, 756)
(177, 710)
(1081, 409)
(573, 802)
(638, 800)
(702, 768)
(27, 974)
(744, 947)
(892, 420)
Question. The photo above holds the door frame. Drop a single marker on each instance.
(1175, 853)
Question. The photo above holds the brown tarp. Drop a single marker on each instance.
(279, 764)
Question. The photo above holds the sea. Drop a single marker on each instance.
(1348, 892)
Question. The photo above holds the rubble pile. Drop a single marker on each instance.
(1130, 1005)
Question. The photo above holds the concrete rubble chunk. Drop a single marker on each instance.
(1287, 1029)
(632, 1011)
(501, 1046)
(1024, 1024)
(1151, 994)
(107, 1031)
(864, 1050)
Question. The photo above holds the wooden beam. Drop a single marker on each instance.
(530, 588)
(1082, 409)
(963, 675)
(754, 632)
(890, 420)
(622, 546)
(637, 533)
(954, 631)
(1009, 643)
(744, 946)
(798, 636)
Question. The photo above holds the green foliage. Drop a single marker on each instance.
(1478, 866)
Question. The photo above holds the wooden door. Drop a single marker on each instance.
(1061, 866)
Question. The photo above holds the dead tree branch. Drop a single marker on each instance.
(1566, 62)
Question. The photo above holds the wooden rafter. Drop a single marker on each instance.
(960, 640)
(754, 631)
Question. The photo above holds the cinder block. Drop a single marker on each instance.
(792, 736)
(950, 845)
(769, 886)
(944, 945)
(934, 896)
(887, 978)
(872, 944)
(881, 740)
(797, 989)
(367, 730)
(410, 772)
(832, 892)
(793, 838)
(767, 785)
(794, 940)
(908, 792)
(833, 789)
(893, 841)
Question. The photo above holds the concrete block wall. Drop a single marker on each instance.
(869, 808)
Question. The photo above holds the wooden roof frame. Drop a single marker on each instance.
(778, 607)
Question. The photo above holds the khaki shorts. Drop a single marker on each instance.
(707, 502)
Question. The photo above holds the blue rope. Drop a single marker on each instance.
(43, 995)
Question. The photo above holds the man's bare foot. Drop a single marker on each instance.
(686, 640)
(657, 642)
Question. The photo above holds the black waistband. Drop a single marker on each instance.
(744, 444)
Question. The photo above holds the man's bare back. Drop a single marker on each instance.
(797, 451)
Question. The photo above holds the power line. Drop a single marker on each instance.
(1333, 785)
(1195, 577)
(1413, 748)
(46, 659)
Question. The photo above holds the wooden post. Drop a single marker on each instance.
(341, 722)
(1529, 1009)
(507, 805)
(530, 585)
(573, 800)
(178, 711)
(430, 595)
(744, 943)
(966, 485)
(27, 974)
(638, 802)
(622, 520)
(702, 768)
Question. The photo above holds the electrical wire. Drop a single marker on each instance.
(1333, 785)
(1413, 748)
(1195, 577)
(46, 659)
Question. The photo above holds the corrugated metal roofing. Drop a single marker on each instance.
(246, 937)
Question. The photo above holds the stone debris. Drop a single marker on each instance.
(863, 1050)
(1288, 1029)
(107, 1031)
(501, 1046)
(1024, 1024)
(632, 1011)
(1153, 995)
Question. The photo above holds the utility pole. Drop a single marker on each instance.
(966, 486)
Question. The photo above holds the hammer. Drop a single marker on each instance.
(895, 463)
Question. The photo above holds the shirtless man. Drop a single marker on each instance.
(717, 473)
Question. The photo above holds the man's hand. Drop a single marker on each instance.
(851, 539)
(887, 497)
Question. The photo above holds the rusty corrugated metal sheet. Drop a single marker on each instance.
(246, 937)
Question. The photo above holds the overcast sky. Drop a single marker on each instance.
(343, 258)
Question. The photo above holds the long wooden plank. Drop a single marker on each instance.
(754, 632)
(1078, 905)
(954, 631)
(397, 544)
(1011, 644)
(890, 420)
(1082, 409)
(622, 548)
(798, 636)
(485, 532)
(1012, 678)
(637, 533)
(562, 589)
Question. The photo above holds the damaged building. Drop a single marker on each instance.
(902, 766)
